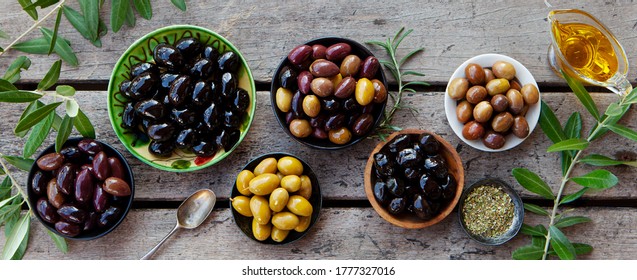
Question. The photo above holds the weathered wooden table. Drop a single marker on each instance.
(450, 31)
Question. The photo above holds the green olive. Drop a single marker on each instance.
(464, 111)
(340, 136)
(306, 187)
(291, 183)
(530, 93)
(311, 105)
(283, 99)
(259, 231)
(300, 128)
(243, 182)
(242, 205)
(516, 101)
(278, 174)
(285, 220)
(267, 165)
(299, 206)
(483, 111)
(458, 88)
(278, 199)
(364, 92)
(290, 166)
(260, 209)
(264, 184)
(278, 235)
(304, 223)
(497, 86)
(503, 69)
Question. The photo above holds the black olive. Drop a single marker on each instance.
(185, 139)
(189, 47)
(183, 117)
(368, 109)
(202, 68)
(408, 158)
(432, 190)
(318, 121)
(168, 56)
(204, 148)
(421, 208)
(241, 100)
(428, 144)
(413, 174)
(228, 61)
(72, 154)
(211, 116)
(436, 166)
(351, 104)
(201, 93)
(124, 86)
(221, 137)
(297, 103)
(159, 96)
(449, 187)
(39, 182)
(228, 85)
(151, 109)
(231, 119)
(143, 85)
(383, 164)
(146, 123)
(380, 193)
(161, 149)
(330, 105)
(142, 67)
(161, 132)
(233, 137)
(210, 53)
(335, 122)
(400, 142)
(287, 78)
(109, 216)
(396, 186)
(397, 205)
(179, 92)
(411, 190)
(167, 80)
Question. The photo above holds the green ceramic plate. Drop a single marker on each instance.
(142, 51)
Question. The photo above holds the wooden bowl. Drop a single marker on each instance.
(408, 220)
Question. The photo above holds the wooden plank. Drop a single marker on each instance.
(450, 31)
(341, 171)
(340, 233)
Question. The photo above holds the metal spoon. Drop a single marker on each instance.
(190, 214)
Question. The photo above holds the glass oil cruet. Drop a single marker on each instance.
(583, 48)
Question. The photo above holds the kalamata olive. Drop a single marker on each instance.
(228, 62)
(129, 117)
(335, 122)
(319, 133)
(124, 86)
(88, 166)
(56, 198)
(311, 106)
(91, 222)
(449, 187)
(340, 136)
(515, 85)
(475, 74)
(189, 47)
(89, 146)
(240, 100)
(338, 51)
(380, 91)
(210, 53)
(421, 208)
(304, 81)
(369, 68)
(318, 52)
(503, 69)
(413, 174)
(383, 164)
(143, 85)
(204, 148)
(72, 154)
(488, 75)
(493, 140)
(180, 91)
(151, 109)
(211, 116)
(168, 56)
(516, 101)
(68, 229)
(322, 87)
(381, 193)
(182, 117)
(290, 116)
(39, 181)
(299, 54)
(428, 144)
(65, 178)
(464, 111)
(502, 122)
(101, 169)
(161, 149)
(100, 198)
(364, 91)
(161, 131)
(142, 67)
(362, 124)
(345, 88)
(457, 88)
(473, 130)
(203, 68)
(408, 158)
(500, 103)
(185, 138)
(72, 213)
(323, 68)
(297, 103)
(530, 93)
(109, 216)
(287, 78)
(350, 104)
(330, 105)
(497, 86)
(229, 84)
(117, 169)
(520, 127)
(300, 128)
(396, 186)
(400, 142)
(483, 111)
(318, 121)
(84, 186)
(397, 205)
(50, 161)
(350, 65)
(46, 211)
(368, 109)
(116, 187)
(476, 94)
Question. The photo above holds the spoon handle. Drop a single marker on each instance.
(152, 251)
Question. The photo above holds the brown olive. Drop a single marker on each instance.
(380, 92)
(497, 86)
(50, 161)
(299, 54)
(116, 186)
(464, 111)
(369, 68)
(488, 75)
(322, 87)
(362, 124)
(458, 88)
(338, 51)
(493, 140)
(472, 130)
(503, 69)
(56, 198)
(483, 111)
(530, 93)
(350, 65)
(524, 110)
(345, 87)
(300, 128)
(500, 103)
(474, 73)
(311, 106)
(520, 127)
(515, 85)
(318, 51)
(476, 94)
(502, 122)
(304, 79)
(340, 136)
(324, 68)
(516, 101)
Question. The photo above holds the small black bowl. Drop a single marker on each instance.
(325, 144)
(518, 216)
(98, 232)
(245, 223)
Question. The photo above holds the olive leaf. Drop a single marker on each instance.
(35, 46)
(91, 11)
(18, 96)
(54, 38)
(42, 4)
(532, 182)
(529, 252)
(574, 144)
(18, 233)
(61, 48)
(130, 17)
(30, 108)
(580, 249)
(51, 76)
(560, 243)
(72, 108)
(144, 8)
(571, 221)
(613, 109)
(600, 160)
(59, 241)
(119, 9)
(623, 131)
(4, 35)
(78, 22)
(535, 209)
(37, 136)
(63, 132)
(181, 4)
(35, 117)
(631, 97)
(597, 179)
(529, 230)
(13, 72)
(83, 125)
(583, 95)
(65, 90)
(19, 162)
(550, 125)
(574, 196)
(6, 86)
(30, 11)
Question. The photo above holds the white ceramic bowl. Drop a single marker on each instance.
(524, 77)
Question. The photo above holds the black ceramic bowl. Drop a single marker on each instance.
(125, 204)
(325, 144)
(245, 223)
(518, 216)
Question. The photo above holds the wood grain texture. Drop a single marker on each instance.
(341, 172)
(340, 233)
(450, 31)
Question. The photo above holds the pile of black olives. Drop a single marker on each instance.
(188, 99)
(411, 176)
(81, 189)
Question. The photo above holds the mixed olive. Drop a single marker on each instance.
(492, 103)
(81, 189)
(410, 176)
(329, 92)
(187, 98)
(276, 194)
